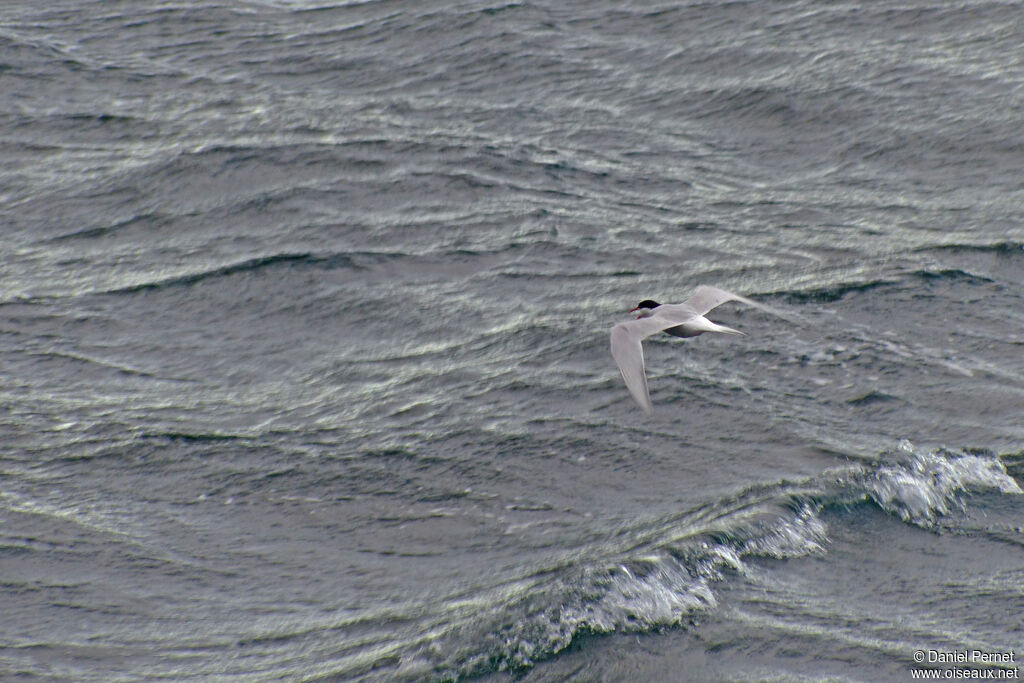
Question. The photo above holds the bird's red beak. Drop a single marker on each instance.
(634, 309)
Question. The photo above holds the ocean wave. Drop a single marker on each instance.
(247, 265)
(351, 260)
(927, 486)
(1003, 247)
(663, 573)
(835, 292)
(951, 274)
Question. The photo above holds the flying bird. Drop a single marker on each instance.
(680, 320)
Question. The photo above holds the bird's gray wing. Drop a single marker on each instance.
(706, 298)
(628, 351)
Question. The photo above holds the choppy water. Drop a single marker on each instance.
(304, 356)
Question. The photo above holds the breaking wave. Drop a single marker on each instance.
(663, 573)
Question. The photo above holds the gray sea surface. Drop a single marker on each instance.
(304, 365)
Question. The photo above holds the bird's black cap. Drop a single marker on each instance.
(647, 303)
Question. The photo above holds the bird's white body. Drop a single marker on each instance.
(680, 320)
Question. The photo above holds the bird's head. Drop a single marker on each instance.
(645, 308)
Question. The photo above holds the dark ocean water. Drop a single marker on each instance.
(304, 313)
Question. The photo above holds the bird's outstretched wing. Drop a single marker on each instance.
(628, 352)
(629, 356)
(705, 298)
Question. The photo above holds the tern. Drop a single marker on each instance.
(680, 320)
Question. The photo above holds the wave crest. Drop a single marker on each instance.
(928, 486)
(662, 573)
